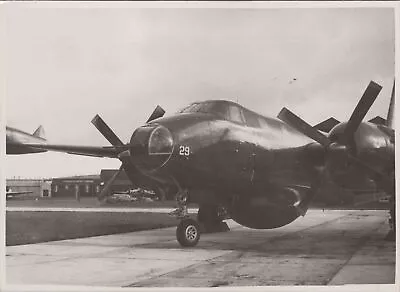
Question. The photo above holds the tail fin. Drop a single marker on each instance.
(39, 133)
(390, 115)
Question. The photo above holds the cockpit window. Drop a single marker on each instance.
(235, 114)
(191, 108)
(223, 110)
(251, 119)
(205, 107)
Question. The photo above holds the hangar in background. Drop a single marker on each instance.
(120, 184)
(87, 185)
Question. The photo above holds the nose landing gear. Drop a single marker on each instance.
(188, 230)
(209, 220)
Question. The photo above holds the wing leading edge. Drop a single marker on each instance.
(95, 151)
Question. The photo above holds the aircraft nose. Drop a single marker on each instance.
(151, 147)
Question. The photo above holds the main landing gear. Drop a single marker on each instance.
(391, 236)
(391, 190)
(209, 219)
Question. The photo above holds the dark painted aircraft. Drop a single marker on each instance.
(262, 172)
(15, 140)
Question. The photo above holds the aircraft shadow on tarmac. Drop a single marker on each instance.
(338, 238)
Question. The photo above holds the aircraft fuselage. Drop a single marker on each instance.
(258, 171)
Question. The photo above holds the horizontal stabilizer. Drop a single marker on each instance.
(327, 125)
(378, 121)
(39, 132)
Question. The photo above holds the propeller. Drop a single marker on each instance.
(342, 146)
(300, 125)
(357, 116)
(363, 106)
(124, 155)
(105, 191)
(106, 131)
(390, 114)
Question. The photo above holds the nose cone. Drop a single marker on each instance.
(151, 147)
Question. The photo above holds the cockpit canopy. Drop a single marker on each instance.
(230, 111)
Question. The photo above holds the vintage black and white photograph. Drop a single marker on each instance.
(199, 145)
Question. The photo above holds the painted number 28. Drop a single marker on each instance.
(184, 150)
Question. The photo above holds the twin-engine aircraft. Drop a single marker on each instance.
(262, 172)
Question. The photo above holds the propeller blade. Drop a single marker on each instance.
(105, 191)
(300, 125)
(327, 125)
(106, 131)
(390, 115)
(363, 106)
(157, 113)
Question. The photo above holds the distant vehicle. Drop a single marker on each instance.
(143, 194)
(384, 199)
(120, 197)
(133, 195)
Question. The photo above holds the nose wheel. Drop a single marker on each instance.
(188, 232)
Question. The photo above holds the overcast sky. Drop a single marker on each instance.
(66, 65)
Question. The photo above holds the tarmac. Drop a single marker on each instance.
(92, 209)
(322, 248)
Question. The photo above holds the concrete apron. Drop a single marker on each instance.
(322, 248)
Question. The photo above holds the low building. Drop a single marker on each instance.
(91, 185)
(121, 183)
(82, 185)
(30, 187)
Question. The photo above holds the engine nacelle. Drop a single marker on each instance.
(268, 211)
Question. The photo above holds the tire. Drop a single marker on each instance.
(188, 233)
(392, 211)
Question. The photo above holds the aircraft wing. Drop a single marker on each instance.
(96, 151)
(19, 193)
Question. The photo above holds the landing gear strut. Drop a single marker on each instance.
(391, 236)
(181, 211)
(209, 219)
(390, 185)
(188, 230)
